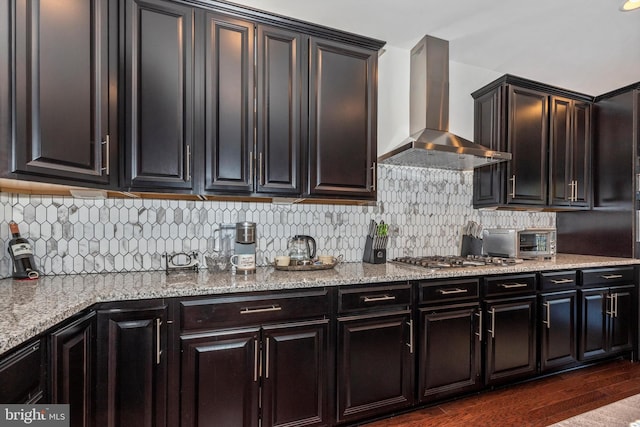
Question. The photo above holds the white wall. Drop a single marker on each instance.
(393, 97)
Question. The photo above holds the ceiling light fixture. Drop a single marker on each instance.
(630, 5)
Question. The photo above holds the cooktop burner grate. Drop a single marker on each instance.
(453, 261)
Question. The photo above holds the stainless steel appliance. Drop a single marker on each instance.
(452, 261)
(244, 257)
(528, 243)
(431, 144)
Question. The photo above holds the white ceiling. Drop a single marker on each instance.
(589, 46)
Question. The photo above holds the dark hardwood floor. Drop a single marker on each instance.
(536, 403)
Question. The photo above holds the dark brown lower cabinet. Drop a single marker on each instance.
(274, 375)
(22, 374)
(558, 330)
(73, 369)
(510, 339)
(131, 364)
(450, 351)
(606, 321)
(375, 364)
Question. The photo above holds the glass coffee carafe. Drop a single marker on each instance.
(224, 237)
(302, 249)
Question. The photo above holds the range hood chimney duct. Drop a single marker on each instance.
(431, 144)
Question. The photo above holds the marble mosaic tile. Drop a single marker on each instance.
(425, 208)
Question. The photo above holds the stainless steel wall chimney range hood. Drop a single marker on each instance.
(431, 144)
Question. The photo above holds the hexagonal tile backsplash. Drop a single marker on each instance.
(425, 208)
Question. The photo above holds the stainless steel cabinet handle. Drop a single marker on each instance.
(493, 323)
(249, 310)
(106, 144)
(158, 344)
(410, 344)
(453, 291)
(260, 169)
(571, 191)
(374, 173)
(266, 357)
(377, 299)
(575, 191)
(547, 322)
(611, 276)
(479, 333)
(513, 186)
(250, 167)
(561, 281)
(188, 163)
(609, 303)
(513, 285)
(255, 360)
(615, 305)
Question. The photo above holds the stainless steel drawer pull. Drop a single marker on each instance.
(378, 299)
(260, 309)
(561, 281)
(513, 285)
(611, 276)
(453, 291)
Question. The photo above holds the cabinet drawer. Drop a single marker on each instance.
(20, 375)
(450, 290)
(234, 311)
(373, 297)
(558, 280)
(508, 285)
(606, 276)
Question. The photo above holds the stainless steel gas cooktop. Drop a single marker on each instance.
(453, 261)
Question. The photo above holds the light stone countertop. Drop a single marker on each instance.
(28, 308)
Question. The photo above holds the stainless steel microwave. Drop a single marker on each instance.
(528, 243)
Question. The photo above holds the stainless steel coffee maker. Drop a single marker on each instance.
(244, 258)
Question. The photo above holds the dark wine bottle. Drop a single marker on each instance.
(24, 266)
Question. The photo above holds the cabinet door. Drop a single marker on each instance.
(73, 369)
(229, 104)
(281, 83)
(295, 374)
(63, 79)
(342, 120)
(621, 327)
(560, 147)
(374, 365)
(158, 36)
(510, 339)
(527, 138)
(132, 367)
(581, 154)
(570, 153)
(220, 378)
(558, 330)
(449, 361)
(488, 181)
(593, 315)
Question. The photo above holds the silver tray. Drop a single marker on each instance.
(310, 267)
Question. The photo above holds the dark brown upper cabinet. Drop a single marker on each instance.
(158, 95)
(281, 110)
(570, 153)
(342, 119)
(547, 131)
(228, 110)
(64, 73)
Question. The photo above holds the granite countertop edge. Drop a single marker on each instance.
(30, 308)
